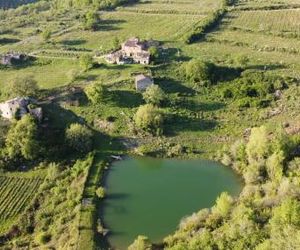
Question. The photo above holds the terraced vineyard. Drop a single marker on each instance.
(267, 20)
(15, 194)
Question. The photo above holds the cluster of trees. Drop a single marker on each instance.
(266, 215)
(255, 89)
(21, 143)
(91, 20)
(198, 72)
(150, 117)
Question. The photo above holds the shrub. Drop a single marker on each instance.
(100, 192)
(154, 95)
(86, 62)
(43, 238)
(149, 118)
(199, 72)
(95, 93)
(79, 137)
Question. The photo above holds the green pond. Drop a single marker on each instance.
(147, 196)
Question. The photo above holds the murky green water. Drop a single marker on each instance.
(147, 196)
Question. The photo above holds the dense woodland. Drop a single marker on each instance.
(226, 88)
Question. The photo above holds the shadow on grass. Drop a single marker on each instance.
(176, 124)
(266, 67)
(170, 85)
(126, 98)
(203, 106)
(5, 40)
(73, 42)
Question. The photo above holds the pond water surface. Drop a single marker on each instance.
(147, 196)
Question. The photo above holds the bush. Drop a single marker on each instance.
(43, 238)
(149, 118)
(199, 72)
(79, 137)
(154, 95)
(100, 192)
(95, 93)
(91, 20)
(86, 62)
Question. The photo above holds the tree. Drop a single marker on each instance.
(46, 35)
(154, 95)
(116, 43)
(154, 52)
(149, 118)
(223, 204)
(199, 72)
(79, 137)
(21, 139)
(91, 20)
(24, 86)
(141, 243)
(274, 166)
(86, 62)
(95, 93)
(258, 146)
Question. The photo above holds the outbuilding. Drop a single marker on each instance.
(142, 82)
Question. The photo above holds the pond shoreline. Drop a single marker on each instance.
(105, 176)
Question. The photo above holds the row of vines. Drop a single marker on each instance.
(15, 194)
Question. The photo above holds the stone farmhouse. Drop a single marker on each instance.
(20, 106)
(10, 57)
(142, 82)
(132, 51)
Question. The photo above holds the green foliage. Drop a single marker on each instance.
(258, 146)
(154, 95)
(43, 238)
(46, 35)
(91, 20)
(116, 43)
(141, 243)
(22, 140)
(86, 62)
(96, 93)
(274, 166)
(154, 52)
(79, 137)
(199, 72)
(100, 192)
(223, 204)
(149, 118)
(24, 86)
